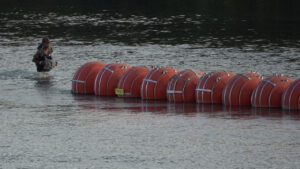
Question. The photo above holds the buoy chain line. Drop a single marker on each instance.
(172, 91)
(123, 80)
(184, 86)
(234, 80)
(198, 87)
(111, 73)
(202, 90)
(284, 96)
(260, 95)
(213, 87)
(225, 86)
(175, 84)
(195, 73)
(106, 68)
(145, 81)
(241, 91)
(79, 81)
(245, 76)
(264, 83)
(75, 84)
(261, 90)
(169, 87)
(163, 73)
(233, 85)
(242, 88)
(131, 86)
(85, 81)
(270, 96)
(291, 93)
(148, 80)
(254, 95)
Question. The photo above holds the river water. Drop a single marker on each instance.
(43, 125)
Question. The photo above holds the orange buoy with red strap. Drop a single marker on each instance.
(291, 96)
(181, 87)
(269, 91)
(130, 83)
(108, 77)
(84, 78)
(238, 90)
(155, 83)
(209, 88)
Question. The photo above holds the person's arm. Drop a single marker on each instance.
(36, 57)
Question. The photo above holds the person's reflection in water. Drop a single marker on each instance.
(44, 81)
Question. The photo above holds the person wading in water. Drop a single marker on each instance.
(43, 60)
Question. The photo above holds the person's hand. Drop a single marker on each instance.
(42, 63)
(49, 57)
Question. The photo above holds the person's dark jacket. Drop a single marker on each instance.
(40, 59)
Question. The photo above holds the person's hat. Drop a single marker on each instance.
(46, 40)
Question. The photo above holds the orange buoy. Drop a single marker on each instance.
(238, 90)
(155, 83)
(108, 77)
(209, 88)
(269, 91)
(181, 87)
(84, 78)
(130, 83)
(291, 96)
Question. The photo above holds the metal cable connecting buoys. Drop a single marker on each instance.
(130, 83)
(84, 78)
(291, 96)
(108, 78)
(269, 91)
(181, 87)
(210, 86)
(155, 83)
(238, 90)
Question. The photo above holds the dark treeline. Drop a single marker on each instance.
(273, 10)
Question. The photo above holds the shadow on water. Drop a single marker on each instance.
(162, 107)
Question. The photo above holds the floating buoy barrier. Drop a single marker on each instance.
(84, 78)
(291, 96)
(269, 91)
(181, 87)
(130, 83)
(238, 90)
(108, 77)
(210, 87)
(155, 83)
